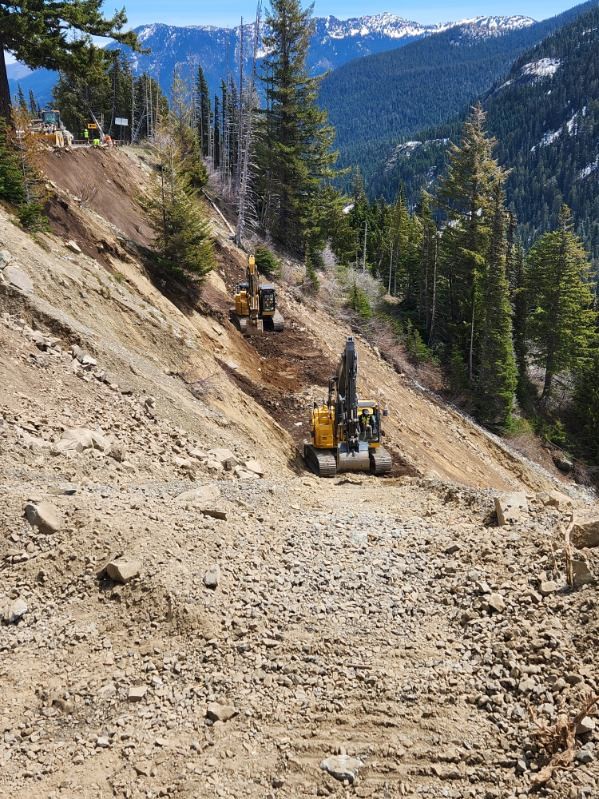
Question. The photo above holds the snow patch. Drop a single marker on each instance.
(543, 68)
(589, 169)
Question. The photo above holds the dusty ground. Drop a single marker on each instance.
(389, 619)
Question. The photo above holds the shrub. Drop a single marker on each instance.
(267, 262)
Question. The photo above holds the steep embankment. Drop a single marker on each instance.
(257, 629)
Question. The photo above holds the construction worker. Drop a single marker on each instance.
(365, 426)
(86, 136)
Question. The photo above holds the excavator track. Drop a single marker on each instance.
(380, 461)
(320, 462)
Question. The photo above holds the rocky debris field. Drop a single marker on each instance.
(176, 624)
(186, 612)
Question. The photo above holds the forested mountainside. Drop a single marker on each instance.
(333, 43)
(545, 116)
(375, 102)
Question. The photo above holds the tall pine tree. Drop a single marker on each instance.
(496, 377)
(295, 152)
(562, 320)
(466, 196)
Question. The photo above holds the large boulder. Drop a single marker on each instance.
(585, 535)
(121, 570)
(78, 439)
(43, 515)
(17, 278)
(511, 508)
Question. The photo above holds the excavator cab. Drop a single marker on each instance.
(51, 118)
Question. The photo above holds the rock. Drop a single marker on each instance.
(224, 456)
(143, 768)
(342, 767)
(212, 577)
(137, 693)
(122, 570)
(496, 602)
(73, 246)
(5, 258)
(215, 513)
(548, 587)
(555, 499)
(585, 756)
(581, 573)
(255, 467)
(78, 439)
(14, 611)
(18, 278)
(102, 741)
(83, 357)
(217, 711)
(585, 725)
(585, 535)
(200, 496)
(244, 474)
(563, 463)
(44, 516)
(511, 508)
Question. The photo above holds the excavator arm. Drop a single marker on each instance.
(347, 396)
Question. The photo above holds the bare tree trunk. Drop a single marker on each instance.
(434, 299)
(4, 88)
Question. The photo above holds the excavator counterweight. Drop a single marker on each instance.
(347, 431)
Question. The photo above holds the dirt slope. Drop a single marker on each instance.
(386, 619)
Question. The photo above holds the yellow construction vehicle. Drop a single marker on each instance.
(347, 431)
(49, 128)
(256, 304)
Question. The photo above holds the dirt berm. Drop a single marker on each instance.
(260, 633)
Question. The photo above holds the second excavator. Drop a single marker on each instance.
(256, 304)
(347, 431)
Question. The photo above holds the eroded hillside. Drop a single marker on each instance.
(268, 633)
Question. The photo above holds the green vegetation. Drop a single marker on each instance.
(267, 262)
(378, 101)
(55, 35)
(546, 129)
(183, 242)
(294, 152)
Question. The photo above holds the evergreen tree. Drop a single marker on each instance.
(466, 197)
(203, 112)
(496, 378)
(11, 177)
(34, 108)
(54, 35)
(216, 134)
(586, 406)
(562, 321)
(183, 241)
(427, 268)
(21, 99)
(295, 153)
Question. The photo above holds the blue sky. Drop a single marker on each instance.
(227, 12)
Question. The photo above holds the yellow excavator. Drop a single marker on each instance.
(347, 431)
(49, 128)
(256, 304)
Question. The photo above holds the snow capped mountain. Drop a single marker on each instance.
(334, 42)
